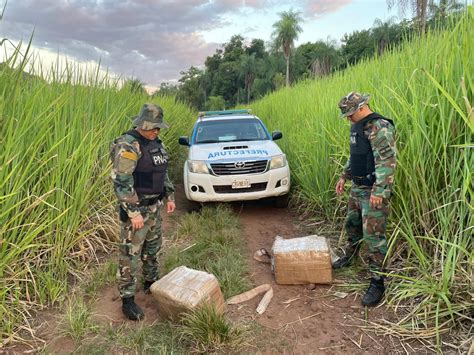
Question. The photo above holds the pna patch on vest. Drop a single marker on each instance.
(159, 160)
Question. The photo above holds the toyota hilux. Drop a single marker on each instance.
(233, 157)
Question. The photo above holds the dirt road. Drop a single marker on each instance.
(304, 320)
(298, 320)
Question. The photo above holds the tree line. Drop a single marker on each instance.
(241, 71)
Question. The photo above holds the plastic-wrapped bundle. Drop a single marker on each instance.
(185, 289)
(301, 260)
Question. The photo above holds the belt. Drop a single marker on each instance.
(149, 201)
(364, 180)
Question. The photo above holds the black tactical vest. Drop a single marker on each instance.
(150, 172)
(362, 163)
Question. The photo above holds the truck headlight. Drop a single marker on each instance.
(278, 161)
(198, 166)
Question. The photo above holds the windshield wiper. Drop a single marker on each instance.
(249, 139)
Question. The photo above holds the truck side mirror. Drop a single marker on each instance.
(183, 140)
(276, 135)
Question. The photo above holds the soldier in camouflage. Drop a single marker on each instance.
(371, 167)
(141, 181)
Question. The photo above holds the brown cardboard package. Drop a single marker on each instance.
(185, 289)
(302, 260)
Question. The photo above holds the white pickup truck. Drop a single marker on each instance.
(233, 157)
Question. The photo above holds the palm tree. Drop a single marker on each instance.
(248, 69)
(382, 33)
(441, 11)
(419, 8)
(286, 32)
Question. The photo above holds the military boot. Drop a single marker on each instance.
(130, 309)
(374, 293)
(146, 286)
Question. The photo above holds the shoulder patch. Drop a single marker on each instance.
(371, 128)
(128, 155)
(128, 143)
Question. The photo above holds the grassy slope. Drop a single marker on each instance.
(427, 87)
(55, 192)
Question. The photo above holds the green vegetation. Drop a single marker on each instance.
(159, 338)
(56, 201)
(208, 330)
(242, 71)
(77, 321)
(202, 330)
(427, 87)
(210, 241)
(103, 275)
(94, 338)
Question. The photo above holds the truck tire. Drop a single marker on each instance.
(281, 201)
(193, 206)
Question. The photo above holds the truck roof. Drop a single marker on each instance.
(227, 114)
(224, 113)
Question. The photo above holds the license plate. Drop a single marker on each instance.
(240, 184)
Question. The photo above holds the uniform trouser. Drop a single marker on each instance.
(365, 227)
(143, 244)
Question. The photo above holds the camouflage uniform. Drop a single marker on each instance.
(364, 223)
(145, 242)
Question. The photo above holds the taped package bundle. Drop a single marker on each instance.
(302, 260)
(185, 289)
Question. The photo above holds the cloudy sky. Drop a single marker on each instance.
(153, 40)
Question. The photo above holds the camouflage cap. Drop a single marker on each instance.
(150, 116)
(351, 103)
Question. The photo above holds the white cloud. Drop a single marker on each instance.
(152, 40)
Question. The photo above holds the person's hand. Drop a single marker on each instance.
(137, 222)
(340, 186)
(375, 201)
(170, 206)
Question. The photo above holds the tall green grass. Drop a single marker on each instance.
(207, 330)
(427, 88)
(55, 193)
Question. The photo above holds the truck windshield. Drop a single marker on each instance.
(235, 130)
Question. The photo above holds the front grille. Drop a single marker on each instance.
(251, 167)
(227, 189)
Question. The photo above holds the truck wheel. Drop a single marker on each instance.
(193, 206)
(281, 201)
